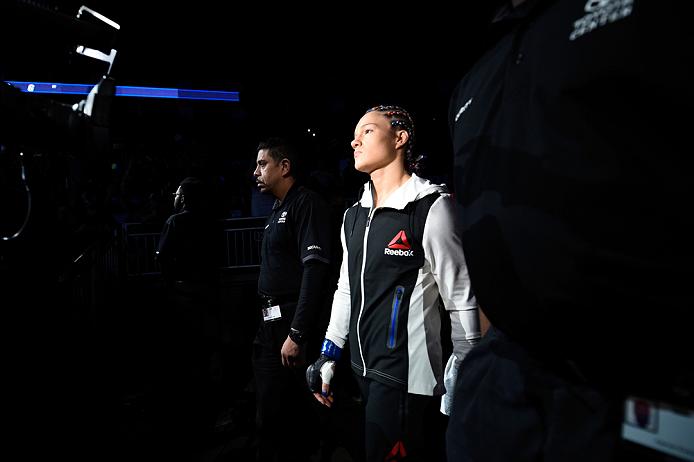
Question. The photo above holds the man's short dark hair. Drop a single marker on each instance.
(281, 148)
(193, 190)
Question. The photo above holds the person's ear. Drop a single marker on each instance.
(401, 138)
(286, 166)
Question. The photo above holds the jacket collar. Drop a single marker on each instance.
(415, 188)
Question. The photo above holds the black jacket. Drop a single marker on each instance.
(398, 259)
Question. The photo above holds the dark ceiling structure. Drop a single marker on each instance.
(299, 63)
(300, 71)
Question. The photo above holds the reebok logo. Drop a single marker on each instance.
(399, 241)
(398, 252)
(399, 246)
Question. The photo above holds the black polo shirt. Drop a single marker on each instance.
(296, 232)
(574, 170)
(190, 247)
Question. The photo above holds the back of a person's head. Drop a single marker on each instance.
(282, 148)
(194, 193)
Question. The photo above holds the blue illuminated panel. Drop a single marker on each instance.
(122, 90)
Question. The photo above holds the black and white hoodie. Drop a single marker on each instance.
(397, 260)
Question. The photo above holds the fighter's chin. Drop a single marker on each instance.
(360, 167)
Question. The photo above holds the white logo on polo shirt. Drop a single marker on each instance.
(600, 13)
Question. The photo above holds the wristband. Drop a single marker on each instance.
(331, 350)
(297, 336)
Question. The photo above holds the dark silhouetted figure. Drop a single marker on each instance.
(573, 174)
(189, 254)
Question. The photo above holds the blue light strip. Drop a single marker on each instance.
(122, 90)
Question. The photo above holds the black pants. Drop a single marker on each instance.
(396, 423)
(286, 412)
(183, 379)
(510, 406)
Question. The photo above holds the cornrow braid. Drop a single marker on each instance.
(399, 117)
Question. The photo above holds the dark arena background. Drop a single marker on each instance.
(86, 181)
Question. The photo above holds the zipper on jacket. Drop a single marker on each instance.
(393, 326)
(363, 266)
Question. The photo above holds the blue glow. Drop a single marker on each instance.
(123, 90)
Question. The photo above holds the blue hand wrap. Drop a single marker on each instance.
(331, 350)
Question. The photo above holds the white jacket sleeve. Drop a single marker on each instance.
(342, 301)
(443, 246)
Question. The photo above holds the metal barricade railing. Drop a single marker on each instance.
(140, 243)
(242, 238)
(86, 280)
(243, 247)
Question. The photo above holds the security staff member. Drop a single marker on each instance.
(294, 269)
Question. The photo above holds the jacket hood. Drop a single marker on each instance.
(414, 189)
